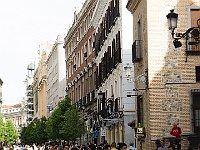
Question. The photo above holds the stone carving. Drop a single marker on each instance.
(166, 131)
(170, 76)
(171, 91)
(172, 105)
(171, 118)
(171, 62)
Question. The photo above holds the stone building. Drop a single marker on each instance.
(171, 92)
(16, 113)
(80, 65)
(114, 84)
(40, 82)
(56, 75)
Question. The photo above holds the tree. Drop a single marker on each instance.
(35, 132)
(2, 131)
(73, 125)
(55, 121)
(11, 133)
(64, 124)
(40, 132)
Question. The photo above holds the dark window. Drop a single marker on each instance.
(140, 109)
(196, 111)
(197, 73)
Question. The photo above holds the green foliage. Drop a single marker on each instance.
(73, 125)
(11, 133)
(63, 124)
(54, 123)
(8, 132)
(2, 131)
(34, 132)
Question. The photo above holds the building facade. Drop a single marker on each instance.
(40, 82)
(56, 75)
(114, 84)
(80, 66)
(16, 114)
(171, 93)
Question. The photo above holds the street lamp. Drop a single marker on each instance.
(193, 32)
(102, 108)
(103, 113)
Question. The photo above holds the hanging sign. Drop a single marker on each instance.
(103, 131)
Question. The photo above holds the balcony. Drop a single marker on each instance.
(192, 47)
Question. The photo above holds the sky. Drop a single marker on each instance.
(24, 25)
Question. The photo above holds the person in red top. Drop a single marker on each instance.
(176, 131)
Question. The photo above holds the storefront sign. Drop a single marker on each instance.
(140, 132)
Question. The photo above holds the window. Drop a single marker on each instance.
(193, 16)
(140, 109)
(196, 110)
(197, 68)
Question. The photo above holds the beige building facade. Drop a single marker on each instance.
(16, 114)
(40, 82)
(171, 92)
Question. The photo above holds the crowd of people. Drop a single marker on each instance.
(113, 146)
(175, 131)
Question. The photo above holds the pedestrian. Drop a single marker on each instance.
(162, 145)
(122, 146)
(176, 131)
(171, 147)
(66, 147)
(199, 147)
(113, 146)
(131, 147)
(92, 147)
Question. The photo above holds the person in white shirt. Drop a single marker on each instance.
(131, 147)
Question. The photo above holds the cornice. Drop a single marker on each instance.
(1, 82)
(132, 5)
(80, 16)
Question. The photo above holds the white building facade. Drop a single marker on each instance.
(113, 58)
(56, 74)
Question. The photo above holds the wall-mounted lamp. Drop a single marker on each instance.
(102, 107)
(192, 33)
(128, 70)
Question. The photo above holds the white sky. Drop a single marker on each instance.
(24, 25)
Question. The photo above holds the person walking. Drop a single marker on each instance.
(131, 147)
(162, 145)
(122, 146)
(113, 146)
(171, 147)
(176, 131)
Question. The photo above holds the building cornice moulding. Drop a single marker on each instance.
(132, 5)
